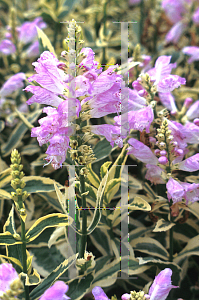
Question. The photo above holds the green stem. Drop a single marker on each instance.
(171, 244)
(84, 219)
(24, 257)
(141, 19)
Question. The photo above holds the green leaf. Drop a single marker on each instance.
(51, 220)
(150, 261)
(13, 260)
(92, 176)
(104, 168)
(18, 133)
(102, 149)
(192, 248)
(163, 225)
(150, 246)
(44, 42)
(78, 287)
(32, 279)
(6, 238)
(97, 211)
(5, 177)
(50, 279)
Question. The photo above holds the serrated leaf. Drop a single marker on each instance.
(51, 220)
(44, 42)
(51, 278)
(163, 225)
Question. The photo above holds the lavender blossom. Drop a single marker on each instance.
(161, 286)
(7, 276)
(14, 83)
(56, 292)
(99, 294)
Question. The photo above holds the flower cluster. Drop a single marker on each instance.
(172, 140)
(7, 46)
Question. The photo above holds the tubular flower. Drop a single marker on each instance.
(56, 292)
(99, 294)
(14, 83)
(161, 286)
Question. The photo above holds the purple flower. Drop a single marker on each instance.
(193, 111)
(174, 190)
(12, 84)
(7, 275)
(7, 47)
(161, 285)
(126, 296)
(190, 164)
(191, 191)
(175, 32)
(193, 51)
(153, 174)
(88, 62)
(56, 292)
(99, 294)
(170, 83)
(138, 120)
(111, 132)
(168, 101)
(33, 50)
(49, 75)
(141, 152)
(161, 75)
(30, 28)
(174, 9)
(42, 96)
(195, 16)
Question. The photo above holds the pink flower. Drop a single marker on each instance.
(99, 294)
(7, 47)
(190, 164)
(14, 83)
(161, 285)
(191, 192)
(195, 16)
(33, 50)
(168, 101)
(193, 111)
(174, 9)
(42, 96)
(161, 75)
(175, 191)
(193, 51)
(153, 174)
(141, 152)
(112, 133)
(88, 62)
(49, 75)
(175, 32)
(56, 292)
(7, 275)
(30, 28)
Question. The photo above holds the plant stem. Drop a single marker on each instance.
(24, 257)
(171, 244)
(84, 219)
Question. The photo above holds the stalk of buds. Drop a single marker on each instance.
(18, 184)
